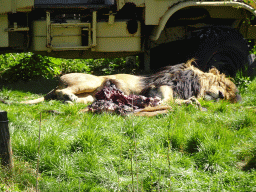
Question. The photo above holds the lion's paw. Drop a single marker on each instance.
(71, 98)
(69, 102)
(193, 101)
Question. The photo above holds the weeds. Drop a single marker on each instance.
(242, 81)
(30, 66)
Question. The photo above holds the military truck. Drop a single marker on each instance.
(161, 32)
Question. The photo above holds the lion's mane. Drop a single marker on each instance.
(187, 81)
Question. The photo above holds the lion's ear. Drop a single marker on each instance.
(214, 71)
(189, 62)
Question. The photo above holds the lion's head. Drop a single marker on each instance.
(215, 85)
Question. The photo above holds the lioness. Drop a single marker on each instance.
(179, 82)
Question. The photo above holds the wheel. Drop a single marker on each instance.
(221, 47)
(216, 46)
(169, 54)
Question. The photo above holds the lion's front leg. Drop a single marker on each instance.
(191, 101)
(165, 92)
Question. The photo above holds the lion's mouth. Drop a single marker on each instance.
(209, 96)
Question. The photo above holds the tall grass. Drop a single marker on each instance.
(183, 150)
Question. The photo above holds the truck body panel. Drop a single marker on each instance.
(3, 34)
(7, 6)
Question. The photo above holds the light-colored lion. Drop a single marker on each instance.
(180, 82)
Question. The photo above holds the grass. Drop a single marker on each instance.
(184, 150)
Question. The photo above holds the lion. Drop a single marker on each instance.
(181, 83)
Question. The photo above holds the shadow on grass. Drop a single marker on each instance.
(251, 72)
(251, 164)
(39, 86)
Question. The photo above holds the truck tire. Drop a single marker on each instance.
(217, 46)
(220, 47)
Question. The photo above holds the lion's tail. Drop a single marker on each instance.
(48, 96)
(34, 101)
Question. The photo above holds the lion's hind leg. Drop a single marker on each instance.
(66, 94)
(78, 87)
(85, 98)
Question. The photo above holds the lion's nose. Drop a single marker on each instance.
(221, 95)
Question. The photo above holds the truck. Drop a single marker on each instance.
(161, 32)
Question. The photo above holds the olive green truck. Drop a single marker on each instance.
(161, 32)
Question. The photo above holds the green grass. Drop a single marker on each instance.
(184, 150)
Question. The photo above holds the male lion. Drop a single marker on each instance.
(182, 82)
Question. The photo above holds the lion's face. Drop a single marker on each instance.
(221, 88)
(217, 92)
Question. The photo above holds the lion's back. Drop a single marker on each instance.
(71, 79)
